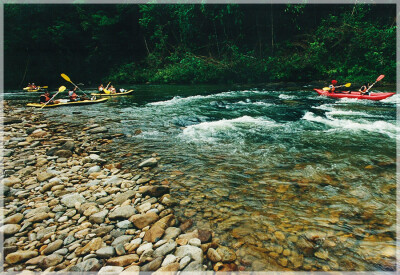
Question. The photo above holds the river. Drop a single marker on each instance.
(289, 180)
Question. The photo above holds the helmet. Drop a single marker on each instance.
(334, 82)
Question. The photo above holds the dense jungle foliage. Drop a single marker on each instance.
(198, 43)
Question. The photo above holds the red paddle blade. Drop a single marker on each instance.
(380, 77)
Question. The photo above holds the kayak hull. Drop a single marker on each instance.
(71, 103)
(38, 89)
(33, 90)
(109, 95)
(354, 94)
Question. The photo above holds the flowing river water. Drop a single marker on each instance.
(289, 180)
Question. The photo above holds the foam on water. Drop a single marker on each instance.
(361, 125)
(331, 111)
(392, 99)
(173, 101)
(229, 128)
(261, 103)
(248, 102)
(334, 112)
(285, 96)
(190, 99)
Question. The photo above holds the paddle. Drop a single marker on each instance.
(345, 85)
(44, 87)
(105, 89)
(378, 79)
(69, 80)
(61, 89)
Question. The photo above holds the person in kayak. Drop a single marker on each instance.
(101, 89)
(363, 89)
(45, 97)
(72, 95)
(113, 90)
(332, 86)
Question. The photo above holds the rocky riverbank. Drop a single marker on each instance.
(66, 208)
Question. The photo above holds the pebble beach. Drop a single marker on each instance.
(68, 209)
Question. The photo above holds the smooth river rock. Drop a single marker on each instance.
(69, 200)
(123, 212)
(187, 250)
(20, 256)
(88, 265)
(142, 220)
(123, 260)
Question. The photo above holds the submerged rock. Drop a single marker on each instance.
(151, 162)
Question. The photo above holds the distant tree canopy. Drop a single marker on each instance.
(197, 43)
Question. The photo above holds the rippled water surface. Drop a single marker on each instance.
(289, 180)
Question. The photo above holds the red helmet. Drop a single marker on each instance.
(334, 82)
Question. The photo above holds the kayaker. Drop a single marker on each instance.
(72, 95)
(33, 86)
(101, 89)
(363, 89)
(113, 90)
(332, 86)
(45, 97)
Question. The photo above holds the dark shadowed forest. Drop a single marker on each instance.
(198, 43)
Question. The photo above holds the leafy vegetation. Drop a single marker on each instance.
(198, 43)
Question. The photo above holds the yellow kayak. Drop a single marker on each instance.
(116, 94)
(69, 103)
(39, 88)
(33, 90)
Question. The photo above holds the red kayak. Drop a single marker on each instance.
(353, 94)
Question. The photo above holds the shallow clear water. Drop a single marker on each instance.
(287, 179)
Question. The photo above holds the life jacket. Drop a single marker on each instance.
(73, 96)
(44, 98)
(332, 88)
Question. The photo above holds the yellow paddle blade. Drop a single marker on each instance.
(326, 88)
(44, 87)
(66, 77)
(62, 89)
(347, 85)
(106, 91)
